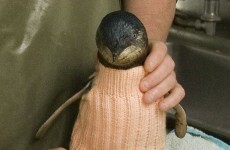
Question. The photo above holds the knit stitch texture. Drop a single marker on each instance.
(113, 116)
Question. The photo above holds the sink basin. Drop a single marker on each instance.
(205, 76)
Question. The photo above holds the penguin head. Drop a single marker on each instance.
(121, 40)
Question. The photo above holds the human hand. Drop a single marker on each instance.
(161, 78)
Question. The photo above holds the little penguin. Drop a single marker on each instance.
(112, 114)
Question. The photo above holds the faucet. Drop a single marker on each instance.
(210, 16)
(207, 21)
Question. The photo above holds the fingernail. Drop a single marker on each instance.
(144, 86)
(149, 67)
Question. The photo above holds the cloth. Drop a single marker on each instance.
(194, 140)
(46, 55)
(113, 116)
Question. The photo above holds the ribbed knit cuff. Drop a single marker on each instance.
(119, 82)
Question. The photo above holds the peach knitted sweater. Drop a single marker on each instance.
(113, 116)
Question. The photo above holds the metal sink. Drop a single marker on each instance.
(204, 71)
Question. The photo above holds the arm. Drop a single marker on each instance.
(157, 16)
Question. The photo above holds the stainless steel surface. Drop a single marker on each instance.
(203, 68)
(195, 8)
(46, 55)
(208, 21)
(208, 26)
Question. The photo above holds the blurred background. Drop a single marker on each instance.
(199, 43)
(46, 55)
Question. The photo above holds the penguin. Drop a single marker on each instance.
(122, 45)
(122, 41)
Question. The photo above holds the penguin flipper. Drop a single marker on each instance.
(181, 121)
(45, 126)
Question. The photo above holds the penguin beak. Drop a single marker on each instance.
(115, 56)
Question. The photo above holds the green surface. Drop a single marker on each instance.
(46, 55)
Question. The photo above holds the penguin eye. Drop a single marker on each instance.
(134, 35)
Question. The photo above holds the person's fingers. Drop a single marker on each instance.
(156, 56)
(174, 98)
(158, 75)
(160, 78)
(161, 89)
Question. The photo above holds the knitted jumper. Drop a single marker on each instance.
(113, 116)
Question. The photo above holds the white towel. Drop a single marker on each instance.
(194, 140)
